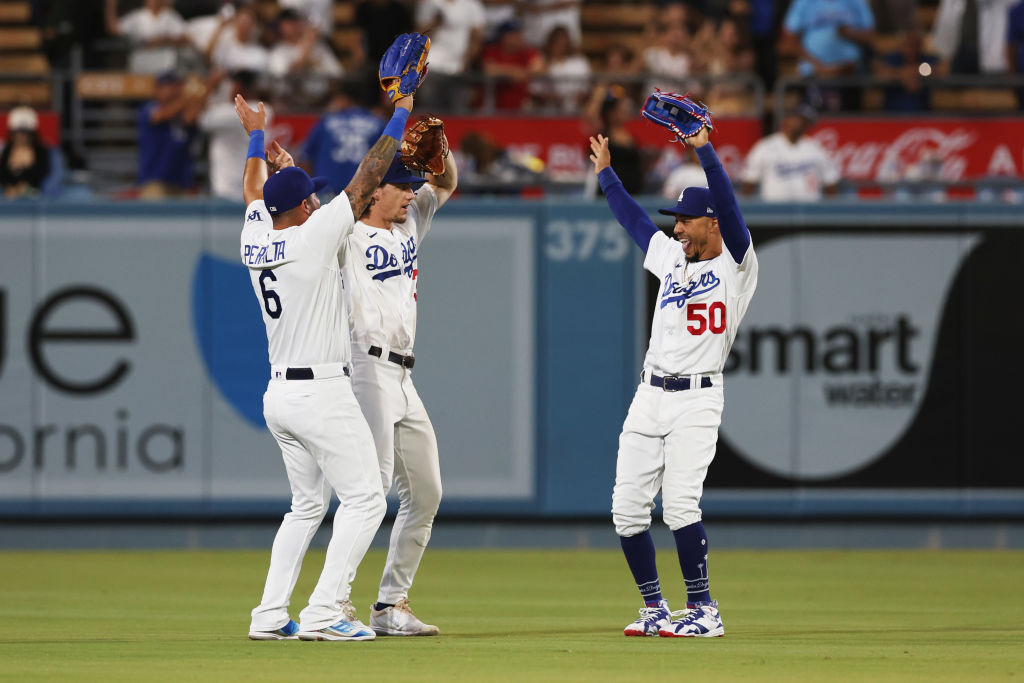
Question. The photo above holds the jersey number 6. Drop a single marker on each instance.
(270, 295)
(713, 319)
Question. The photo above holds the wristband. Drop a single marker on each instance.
(256, 147)
(396, 126)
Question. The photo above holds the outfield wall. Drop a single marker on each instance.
(876, 373)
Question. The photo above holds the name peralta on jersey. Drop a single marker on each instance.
(700, 306)
(381, 273)
(296, 275)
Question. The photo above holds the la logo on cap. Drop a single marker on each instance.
(710, 210)
(681, 196)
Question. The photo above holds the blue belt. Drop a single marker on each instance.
(677, 383)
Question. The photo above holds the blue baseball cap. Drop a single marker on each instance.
(288, 187)
(399, 174)
(693, 202)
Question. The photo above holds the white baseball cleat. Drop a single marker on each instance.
(399, 620)
(650, 621)
(286, 632)
(699, 620)
(348, 628)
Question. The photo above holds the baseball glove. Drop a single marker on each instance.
(678, 113)
(425, 146)
(404, 65)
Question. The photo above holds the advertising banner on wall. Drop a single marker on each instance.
(878, 361)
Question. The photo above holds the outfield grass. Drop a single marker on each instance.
(522, 616)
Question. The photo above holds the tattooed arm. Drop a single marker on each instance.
(376, 162)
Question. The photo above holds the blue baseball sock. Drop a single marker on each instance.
(639, 551)
(382, 605)
(692, 546)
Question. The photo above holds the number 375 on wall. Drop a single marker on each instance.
(585, 240)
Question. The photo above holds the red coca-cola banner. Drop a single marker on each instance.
(559, 142)
(949, 149)
(868, 149)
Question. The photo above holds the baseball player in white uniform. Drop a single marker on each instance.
(708, 274)
(295, 249)
(381, 275)
(788, 166)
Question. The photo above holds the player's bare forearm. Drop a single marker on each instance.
(367, 178)
(373, 167)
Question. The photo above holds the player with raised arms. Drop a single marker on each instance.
(669, 436)
(381, 277)
(294, 249)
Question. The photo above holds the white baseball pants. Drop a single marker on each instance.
(408, 459)
(668, 441)
(326, 445)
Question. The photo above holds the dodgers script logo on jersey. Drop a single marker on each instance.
(677, 293)
(379, 258)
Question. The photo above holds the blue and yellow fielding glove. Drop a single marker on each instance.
(678, 113)
(404, 66)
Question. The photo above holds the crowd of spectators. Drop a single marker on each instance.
(515, 56)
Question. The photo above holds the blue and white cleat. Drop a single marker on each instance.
(342, 630)
(699, 620)
(651, 621)
(287, 632)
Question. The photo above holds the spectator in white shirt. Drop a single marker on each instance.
(235, 46)
(788, 165)
(456, 30)
(317, 12)
(565, 82)
(228, 141)
(541, 16)
(301, 50)
(155, 31)
(668, 64)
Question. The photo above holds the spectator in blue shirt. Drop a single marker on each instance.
(1015, 45)
(166, 126)
(830, 34)
(341, 139)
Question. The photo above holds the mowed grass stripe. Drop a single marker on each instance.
(510, 615)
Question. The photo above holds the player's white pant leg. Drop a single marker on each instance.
(640, 464)
(689, 449)
(311, 496)
(417, 480)
(378, 390)
(324, 417)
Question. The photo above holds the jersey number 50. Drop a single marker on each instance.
(703, 319)
(269, 295)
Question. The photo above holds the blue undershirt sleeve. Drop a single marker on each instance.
(730, 221)
(629, 214)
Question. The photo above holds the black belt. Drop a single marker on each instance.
(306, 373)
(677, 383)
(397, 359)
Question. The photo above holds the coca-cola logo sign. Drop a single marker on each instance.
(887, 150)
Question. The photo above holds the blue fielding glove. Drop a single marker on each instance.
(678, 113)
(404, 66)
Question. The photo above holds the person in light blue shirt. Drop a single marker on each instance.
(341, 139)
(831, 34)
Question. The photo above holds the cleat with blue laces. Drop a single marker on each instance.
(650, 621)
(287, 632)
(698, 620)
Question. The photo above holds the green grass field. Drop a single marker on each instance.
(521, 616)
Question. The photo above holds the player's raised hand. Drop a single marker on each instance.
(278, 157)
(600, 155)
(698, 140)
(251, 120)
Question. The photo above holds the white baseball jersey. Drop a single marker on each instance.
(296, 275)
(700, 306)
(381, 274)
(790, 172)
